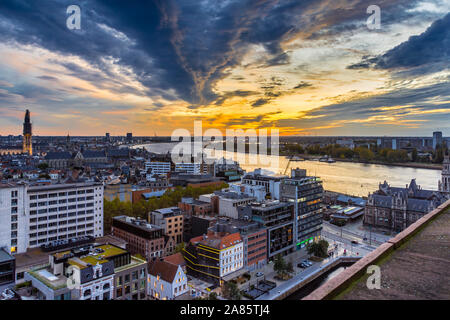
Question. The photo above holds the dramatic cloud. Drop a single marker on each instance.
(157, 65)
(430, 47)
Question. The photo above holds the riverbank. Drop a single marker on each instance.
(417, 165)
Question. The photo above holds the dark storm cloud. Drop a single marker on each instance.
(260, 102)
(419, 53)
(302, 85)
(230, 94)
(50, 78)
(176, 48)
(242, 121)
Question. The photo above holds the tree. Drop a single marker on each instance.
(180, 247)
(414, 155)
(141, 208)
(231, 291)
(319, 249)
(279, 265)
(289, 267)
(213, 296)
(43, 166)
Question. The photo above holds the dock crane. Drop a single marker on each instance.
(287, 167)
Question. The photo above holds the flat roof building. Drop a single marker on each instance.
(143, 238)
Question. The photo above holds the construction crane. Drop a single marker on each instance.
(287, 167)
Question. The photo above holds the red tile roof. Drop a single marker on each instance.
(218, 241)
(176, 259)
(167, 271)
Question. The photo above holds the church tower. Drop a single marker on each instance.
(444, 184)
(27, 145)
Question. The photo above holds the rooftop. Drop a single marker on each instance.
(137, 223)
(99, 254)
(413, 264)
(217, 241)
(4, 256)
(167, 271)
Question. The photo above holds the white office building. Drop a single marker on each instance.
(270, 183)
(190, 168)
(230, 201)
(31, 216)
(258, 192)
(157, 167)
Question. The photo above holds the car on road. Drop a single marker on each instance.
(307, 262)
(259, 274)
(355, 242)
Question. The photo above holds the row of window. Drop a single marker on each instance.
(60, 194)
(71, 235)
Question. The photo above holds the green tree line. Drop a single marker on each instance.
(141, 208)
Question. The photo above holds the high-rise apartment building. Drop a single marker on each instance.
(306, 193)
(437, 139)
(31, 216)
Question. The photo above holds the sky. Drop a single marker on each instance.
(304, 67)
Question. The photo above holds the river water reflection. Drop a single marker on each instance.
(346, 177)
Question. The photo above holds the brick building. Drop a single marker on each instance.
(143, 238)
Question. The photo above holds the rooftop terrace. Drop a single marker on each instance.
(99, 254)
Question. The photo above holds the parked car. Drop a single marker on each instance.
(302, 265)
(307, 262)
(355, 242)
(259, 274)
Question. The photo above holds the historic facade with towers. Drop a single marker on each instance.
(444, 183)
(396, 209)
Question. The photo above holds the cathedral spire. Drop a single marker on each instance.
(27, 134)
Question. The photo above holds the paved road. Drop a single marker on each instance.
(359, 249)
(352, 231)
(287, 285)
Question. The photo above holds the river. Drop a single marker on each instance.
(352, 178)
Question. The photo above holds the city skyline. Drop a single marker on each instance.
(303, 67)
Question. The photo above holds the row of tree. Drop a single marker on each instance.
(363, 153)
(141, 208)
